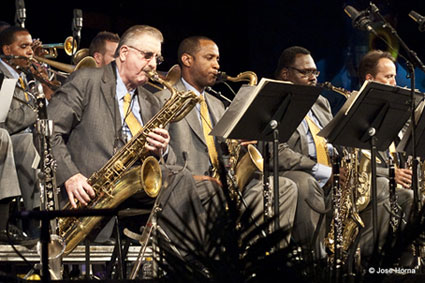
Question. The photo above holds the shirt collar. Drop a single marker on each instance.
(121, 88)
(191, 88)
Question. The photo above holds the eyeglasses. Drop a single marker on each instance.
(149, 55)
(307, 72)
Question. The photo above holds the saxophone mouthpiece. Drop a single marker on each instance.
(221, 76)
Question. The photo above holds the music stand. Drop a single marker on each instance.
(371, 119)
(270, 111)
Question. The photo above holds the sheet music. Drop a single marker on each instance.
(6, 94)
(252, 109)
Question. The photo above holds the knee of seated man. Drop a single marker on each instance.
(287, 188)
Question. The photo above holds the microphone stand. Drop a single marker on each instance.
(412, 62)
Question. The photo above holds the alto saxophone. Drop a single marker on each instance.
(115, 181)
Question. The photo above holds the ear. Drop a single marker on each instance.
(98, 58)
(369, 77)
(123, 52)
(284, 74)
(187, 60)
(6, 49)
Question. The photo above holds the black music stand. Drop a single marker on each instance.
(371, 119)
(270, 111)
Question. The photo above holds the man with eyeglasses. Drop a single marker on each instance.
(98, 110)
(299, 159)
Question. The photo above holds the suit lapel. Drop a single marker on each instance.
(145, 105)
(192, 118)
(108, 89)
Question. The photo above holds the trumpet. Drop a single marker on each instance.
(69, 46)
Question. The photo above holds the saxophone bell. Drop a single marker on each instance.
(249, 163)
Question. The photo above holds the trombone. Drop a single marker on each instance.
(86, 62)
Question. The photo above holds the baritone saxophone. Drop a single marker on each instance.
(117, 180)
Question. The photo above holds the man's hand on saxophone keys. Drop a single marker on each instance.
(157, 141)
(78, 188)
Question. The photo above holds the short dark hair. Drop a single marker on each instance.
(287, 58)
(7, 36)
(190, 45)
(369, 62)
(98, 42)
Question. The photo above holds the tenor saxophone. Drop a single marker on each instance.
(116, 180)
(241, 169)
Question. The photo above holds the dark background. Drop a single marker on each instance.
(250, 34)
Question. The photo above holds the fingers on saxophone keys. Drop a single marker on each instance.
(153, 144)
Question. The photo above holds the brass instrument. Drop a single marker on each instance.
(86, 62)
(340, 90)
(79, 55)
(247, 76)
(241, 170)
(115, 181)
(172, 76)
(69, 46)
(346, 219)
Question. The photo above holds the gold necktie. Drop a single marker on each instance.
(206, 126)
(320, 143)
(131, 120)
(21, 81)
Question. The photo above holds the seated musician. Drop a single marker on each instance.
(380, 66)
(97, 111)
(198, 57)
(306, 158)
(17, 41)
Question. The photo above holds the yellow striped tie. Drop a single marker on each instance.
(206, 126)
(21, 81)
(131, 120)
(320, 143)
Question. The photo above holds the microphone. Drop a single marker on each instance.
(217, 94)
(77, 24)
(360, 20)
(21, 13)
(419, 19)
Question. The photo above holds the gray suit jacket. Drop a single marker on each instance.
(87, 121)
(293, 155)
(187, 134)
(20, 115)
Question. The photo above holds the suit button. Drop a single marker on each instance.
(206, 173)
